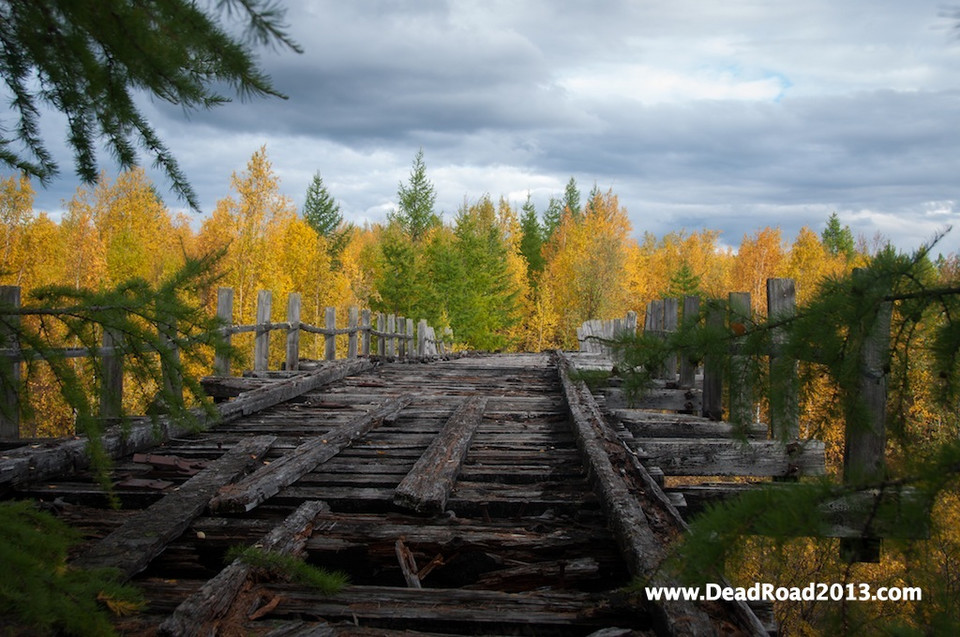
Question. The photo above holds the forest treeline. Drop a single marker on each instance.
(501, 276)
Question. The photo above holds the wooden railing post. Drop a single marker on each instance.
(261, 342)
(741, 391)
(688, 367)
(352, 337)
(365, 327)
(382, 339)
(10, 373)
(422, 338)
(671, 311)
(391, 335)
(293, 334)
(784, 405)
(713, 372)
(401, 340)
(409, 347)
(221, 362)
(111, 377)
(864, 452)
(330, 340)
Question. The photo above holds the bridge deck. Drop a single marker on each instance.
(522, 545)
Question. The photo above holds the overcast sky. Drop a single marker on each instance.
(728, 115)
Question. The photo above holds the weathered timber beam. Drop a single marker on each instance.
(270, 479)
(198, 614)
(36, 463)
(681, 400)
(428, 485)
(646, 424)
(720, 457)
(141, 538)
(643, 549)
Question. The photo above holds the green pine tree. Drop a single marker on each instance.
(92, 60)
(531, 242)
(571, 199)
(322, 212)
(683, 282)
(552, 218)
(836, 239)
(415, 213)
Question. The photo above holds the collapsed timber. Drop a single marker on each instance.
(474, 495)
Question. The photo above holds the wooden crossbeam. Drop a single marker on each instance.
(719, 457)
(142, 537)
(197, 615)
(428, 485)
(269, 479)
(644, 424)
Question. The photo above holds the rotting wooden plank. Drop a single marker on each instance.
(198, 614)
(40, 462)
(642, 548)
(719, 457)
(268, 480)
(645, 424)
(142, 537)
(428, 485)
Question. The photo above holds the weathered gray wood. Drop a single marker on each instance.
(111, 379)
(293, 334)
(640, 546)
(381, 337)
(352, 337)
(269, 479)
(671, 310)
(657, 425)
(705, 457)
(784, 383)
(391, 335)
(408, 565)
(422, 338)
(330, 340)
(261, 342)
(409, 338)
(365, 326)
(740, 385)
(142, 537)
(198, 614)
(864, 450)
(688, 367)
(10, 372)
(713, 373)
(221, 362)
(428, 485)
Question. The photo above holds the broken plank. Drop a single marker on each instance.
(428, 485)
(198, 614)
(269, 479)
(142, 537)
(720, 457)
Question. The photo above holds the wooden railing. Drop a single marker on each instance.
(390, 336)
(864, 443)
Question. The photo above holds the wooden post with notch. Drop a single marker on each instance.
(671, 310)
(741, 394)
(365, 330)
(111, 379)
(330, 338)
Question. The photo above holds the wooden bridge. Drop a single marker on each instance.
(465, 495)
(460, 494)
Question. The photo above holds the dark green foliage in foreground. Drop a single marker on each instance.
(291, 567)
(91, 61)
(146, 322)
(40, 593)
